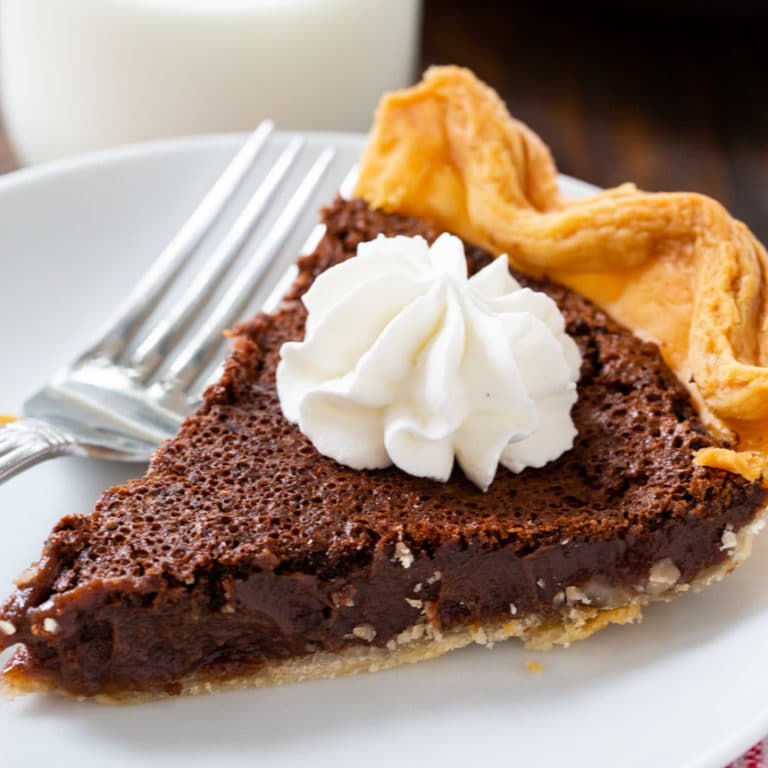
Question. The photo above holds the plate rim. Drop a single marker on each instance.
(144, 149)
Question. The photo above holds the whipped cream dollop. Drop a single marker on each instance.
(408, 361)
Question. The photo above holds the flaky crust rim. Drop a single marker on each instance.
(674, 267)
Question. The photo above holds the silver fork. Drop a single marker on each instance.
(111, 402)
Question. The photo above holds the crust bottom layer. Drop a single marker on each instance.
(420, 642)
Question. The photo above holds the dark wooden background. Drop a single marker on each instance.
(668, 99)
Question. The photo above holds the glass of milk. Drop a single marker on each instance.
(80, 75)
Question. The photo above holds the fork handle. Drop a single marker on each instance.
(27, 442)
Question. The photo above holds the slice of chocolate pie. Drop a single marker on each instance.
(246, 557)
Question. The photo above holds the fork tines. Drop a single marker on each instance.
(160, 344)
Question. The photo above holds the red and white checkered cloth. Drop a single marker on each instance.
(753, 758)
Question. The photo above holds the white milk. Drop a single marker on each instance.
(79, 75)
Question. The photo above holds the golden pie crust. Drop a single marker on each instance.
(675, 268)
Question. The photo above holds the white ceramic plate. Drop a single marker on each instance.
(688, 687)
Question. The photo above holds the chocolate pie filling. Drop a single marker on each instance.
(242, 544)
